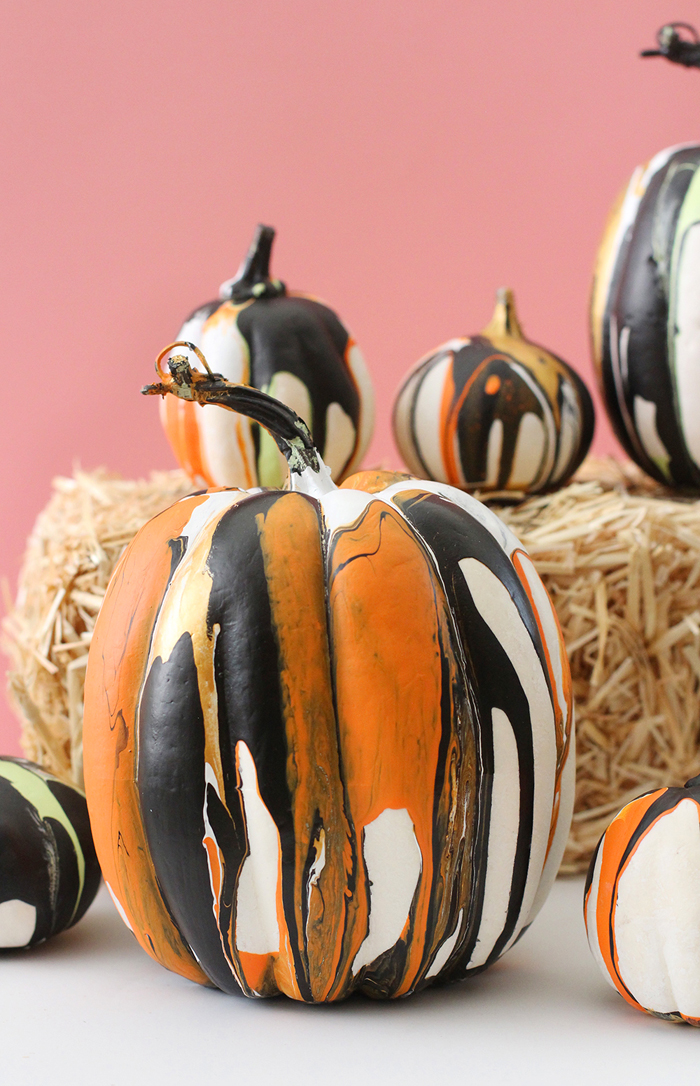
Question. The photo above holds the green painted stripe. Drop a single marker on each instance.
(34, 789)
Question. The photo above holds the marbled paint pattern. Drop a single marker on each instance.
(328, 738)
(293, 347)
(494, 412)
(645, 317)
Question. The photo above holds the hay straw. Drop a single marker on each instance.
(620, 557)
(70, 555)
(621, 560)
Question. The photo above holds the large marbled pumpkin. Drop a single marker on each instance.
(288, 344)
(328, 733)
(494, 411)
(645, 316)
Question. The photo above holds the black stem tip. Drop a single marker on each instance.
(253, 278)
(677, 47)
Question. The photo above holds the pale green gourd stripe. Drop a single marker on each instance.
(36, 792)
(272, 471)
(689, 214)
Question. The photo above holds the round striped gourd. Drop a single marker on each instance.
(642, 903)
(494, 411)
(291, 346)
(328, 731)
(645, 317)
(49, 873)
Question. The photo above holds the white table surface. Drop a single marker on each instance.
(90, 1008)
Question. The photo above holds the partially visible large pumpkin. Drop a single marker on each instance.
(291, 346)
(49, 873)
(645, 316)
(642, 903)
(328, 732)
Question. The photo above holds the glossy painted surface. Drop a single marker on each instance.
(642, 903)
(645, 316)
(49, 873)
(494, 412)
(328, 738)
(291, 346)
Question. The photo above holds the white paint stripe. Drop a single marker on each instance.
(342, 508)
(257, 928)
(428, 425)
(638, 184)
(340, 439)
(548, 428)
(393, 860)
(550, 629)
(687, 340)
(17, 923)
(476, 509)
(503, 838)
(118, 906)
(212, 506)
(530, 453)
(657, 919)
(445, 949)
(226, 436)
(499, 611)
(493, 452)
(192, 328)
(645, 423)
(358, 368)
(569, 431)
(402, 424)
(561, 833)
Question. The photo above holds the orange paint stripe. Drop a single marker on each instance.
(294, 568)
(114, 679)
(388, 692)
(251, 475)
(449, 415)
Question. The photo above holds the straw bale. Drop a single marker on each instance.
(70, 555)
(620, 557)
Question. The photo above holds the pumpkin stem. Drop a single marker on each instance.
(252, 280)
(504, 321)
(290, 433)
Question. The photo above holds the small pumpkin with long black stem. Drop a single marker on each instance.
(328, 731)
(291, 346)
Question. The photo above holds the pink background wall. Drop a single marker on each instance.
(414, 156)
